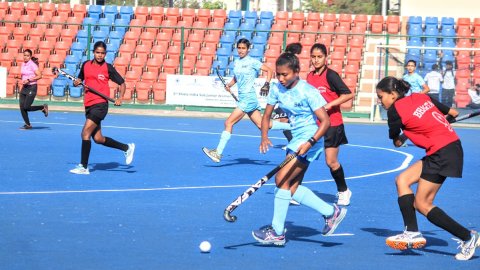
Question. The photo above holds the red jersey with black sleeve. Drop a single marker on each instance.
(330, 86)
(96, 75)
(423, 121)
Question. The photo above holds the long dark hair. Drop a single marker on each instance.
(391, 84)
(34, 59)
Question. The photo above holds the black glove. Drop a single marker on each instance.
(264, 90)
(450, 119)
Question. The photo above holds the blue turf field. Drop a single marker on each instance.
(154, 213)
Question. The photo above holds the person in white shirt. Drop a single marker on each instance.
(448, 88)
(434, 80)
(475, 96)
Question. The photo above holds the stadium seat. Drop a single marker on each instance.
(110, 12)
(126, 12)
(142, 91)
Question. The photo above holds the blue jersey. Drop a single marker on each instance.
(299, 103)
(416, 83)
(246, 70)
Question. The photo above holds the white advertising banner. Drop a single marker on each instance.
(3, 82)
(206, 91)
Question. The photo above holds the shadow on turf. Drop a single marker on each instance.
(294, 233)
(431, 242)
(240, 161)
(111, 166)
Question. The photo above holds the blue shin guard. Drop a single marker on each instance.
(305, 196)
(223, 141)
(280, 209)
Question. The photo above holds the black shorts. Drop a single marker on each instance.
(97, 112)
(279, 113)
(446, 162)
(335, 137)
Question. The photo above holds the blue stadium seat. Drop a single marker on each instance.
(448, 43)
(448, 31)
(89, 21)
(118, 35)
(59, 85)
(110, 12)
(431, 30)
(256, 53)
(222, 65)
(266, 15)
(259, 40)
(230, 29)
(415, 30)
(222, 51)
(235, 14)
(99, 35)
(245, 36)
(126, 12)
(430, 56)
(94, 11)
(121, 25)
(250, 15)
(431, 21)
(72, 59)
(105, 24)
(235, 21)
(447, 21)
(415, 41)
(246, 29)
(113, 45)
(415, 20)
(227, 41)
(77, 49)
(263, 30)
(110, 57)
(83, 36)
(75, 92)
(431, 42)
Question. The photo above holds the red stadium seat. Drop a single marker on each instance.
(170, 66)
(157, 13)
(142, 91)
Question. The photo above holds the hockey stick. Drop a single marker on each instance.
(249, 192)
(451, 120)
(57, 70)
(224, 83)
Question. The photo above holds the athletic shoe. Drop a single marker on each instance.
(406, 240)
(45, 109)
(284, 148)
(80, 170)
(129, 153)
(343, 198)
(293, 202)
(25, 127)
(468, 247)
(212, 154)
(267, 236)
(332, 222)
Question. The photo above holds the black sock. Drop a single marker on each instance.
(444, 221)
(408, 212)
(109, 142)
(86, 146)
(288, 135)
(339, 178)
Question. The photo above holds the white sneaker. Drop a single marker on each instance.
(406, 240)
(344, 197)
(129, 153)
(80, 170)
(212, 154)
(468, 247)
(284, 148)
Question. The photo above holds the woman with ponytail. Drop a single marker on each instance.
(422, 120)
(30, 75)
